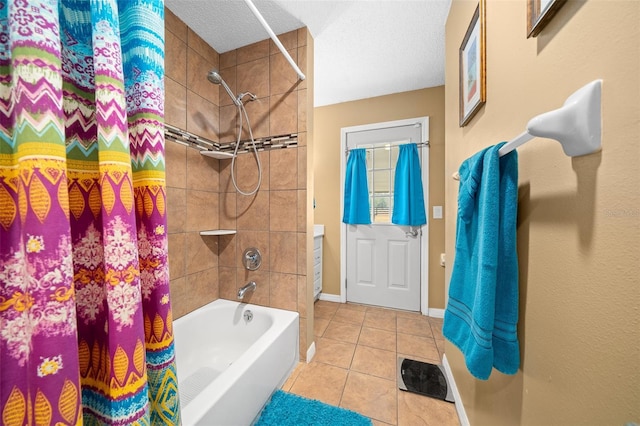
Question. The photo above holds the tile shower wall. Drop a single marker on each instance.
(200, 192)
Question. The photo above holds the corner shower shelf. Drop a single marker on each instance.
(220, 155)
(218, 232)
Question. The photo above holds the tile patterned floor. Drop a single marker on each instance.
(357, 348)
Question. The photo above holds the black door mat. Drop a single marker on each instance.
(424, 379)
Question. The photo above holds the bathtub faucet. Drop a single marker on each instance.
(251, 286)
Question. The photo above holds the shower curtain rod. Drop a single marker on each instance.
(275, 39)
(418, 144)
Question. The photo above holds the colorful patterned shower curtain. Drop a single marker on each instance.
(85, 317)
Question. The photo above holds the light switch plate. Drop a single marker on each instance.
(437, 212)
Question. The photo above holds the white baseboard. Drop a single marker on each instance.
(436, 313)
(330, 297)
(311, 352)
(462, 414)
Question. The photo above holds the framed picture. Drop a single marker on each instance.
(539, 13)
(473, 67)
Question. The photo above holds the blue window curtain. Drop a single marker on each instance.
(408, 196)
(356, 189)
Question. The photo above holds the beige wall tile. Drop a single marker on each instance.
(202, 210)
(176, 210)
(289, 40)
(302, 36)
(253, 211)
(197, 69)
(227, 251)
(302, 139)
(302, 341)
(284, 168)
(202, 288)
(302, 297)
(302, 64)
(175, 25)
(177, 289)
(228, 210)
(302, 167)
(302, 110)
(202, 47)
(253, 77)
(257, 239)
(258, 112)
(227, 280)
(262, 279)
(283, 210)
(229, 123)
(175, 63)
(283, 252)
(175, 106)
(283, 118)
(229, 76)
(202, 252)
(247, 174)
(253, 51)
(228, 59)
(284, 291)
(302, 258)
(302, 211)
(177, 258)
(203, 173)
(176, 164)
(203, 117)
(225, 177)
(282, 77)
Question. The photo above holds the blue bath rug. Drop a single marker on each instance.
(286, 409)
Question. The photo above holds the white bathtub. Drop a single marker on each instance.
(228, 367)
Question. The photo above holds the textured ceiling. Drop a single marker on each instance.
(363, 48)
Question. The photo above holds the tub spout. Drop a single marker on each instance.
(251, 286)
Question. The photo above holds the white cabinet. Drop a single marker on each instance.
(317, 260)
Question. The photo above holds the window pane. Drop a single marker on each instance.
(380, 158)
(381, 210)
(381, 179)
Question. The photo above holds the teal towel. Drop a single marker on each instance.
(287, 409)
(356, 189)
(482, 311)
(408, 196)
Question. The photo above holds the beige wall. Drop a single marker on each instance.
(329, 120)
(200, 192)
(578, 218)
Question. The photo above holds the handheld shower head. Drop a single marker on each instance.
(216, 78)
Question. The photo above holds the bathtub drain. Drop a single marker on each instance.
(248, 315)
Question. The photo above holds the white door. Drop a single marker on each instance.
(383, 260)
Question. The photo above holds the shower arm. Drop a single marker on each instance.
(275, 39)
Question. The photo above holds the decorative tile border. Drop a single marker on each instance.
(262, 144)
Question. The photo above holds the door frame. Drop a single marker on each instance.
(423, 122)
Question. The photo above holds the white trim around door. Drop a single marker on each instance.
(423, 122)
